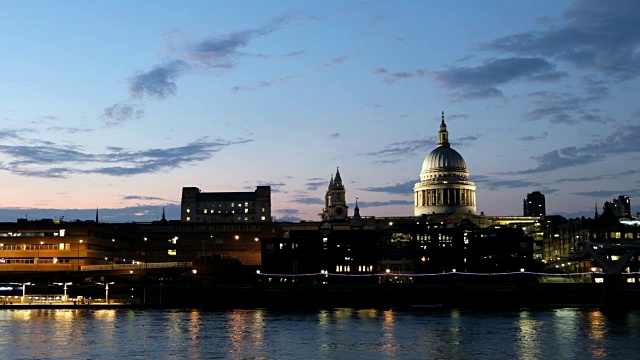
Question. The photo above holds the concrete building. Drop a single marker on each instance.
(226, 207)
(444, 185)
(534, 204)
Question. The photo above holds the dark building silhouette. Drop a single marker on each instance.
(534, 204)
(620, 207)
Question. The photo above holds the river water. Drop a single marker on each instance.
(317, 334)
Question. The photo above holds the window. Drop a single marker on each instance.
(188, 211)
(246, 211)
(172, 252)
(263, 218)
(188, 218)
(205, 210)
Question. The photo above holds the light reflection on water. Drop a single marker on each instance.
(323, 334)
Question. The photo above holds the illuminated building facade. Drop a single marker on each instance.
(226, 207)
(444, 185)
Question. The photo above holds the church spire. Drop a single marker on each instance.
(596, 215)
(443, 134)
(96, 214)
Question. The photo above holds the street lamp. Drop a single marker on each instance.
(106, 292)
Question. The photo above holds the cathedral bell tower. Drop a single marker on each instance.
(335, 207)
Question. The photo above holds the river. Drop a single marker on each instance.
(317, 334)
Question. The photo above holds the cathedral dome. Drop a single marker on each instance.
(444, 159)
(444, 186)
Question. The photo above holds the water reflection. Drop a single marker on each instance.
(389, 345)
(324, 334)
(529, 331)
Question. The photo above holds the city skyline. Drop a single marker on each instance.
(118, 105)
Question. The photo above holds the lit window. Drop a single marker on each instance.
(246, 204)
(599, 280)
(263, 218)
(263, 210)
(246, 211)
(188, 210)
(631, 280)
(205, 210)
(188, 218)
(172, 252)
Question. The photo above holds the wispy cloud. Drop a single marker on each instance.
(336, 61)
(482, 81)
(315, 183)
(262, 84)
(592, 34)
(403, 149)
(190, 57)
(120, 112)
(70, 130)
(390, 77)
(399, 188)
(60, 161)
(307, 200)
(564, 108)
(144, 198)
(534, 137)
(370, 204)
(608, 193)
(158, 83)
(622, 141)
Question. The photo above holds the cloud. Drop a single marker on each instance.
(534, 137)
(222, 50)
(143, 198)
(564, 108)
(371, 204)
(403, 149)
(592, 34)
(399, 188)
(497, 184)
(199, 57)
(389, 77)
(59, 161)
(334, 135)
(336, 61)
(262, 84)
(159, 82)
(120, 112)
(69, 130)
(316, 183)
(288, 211)
(622, 141)
(608, 193)
(308, 200)
(482, 81)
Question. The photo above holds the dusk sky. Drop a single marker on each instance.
(119, 104)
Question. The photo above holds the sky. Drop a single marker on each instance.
(117, 105)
